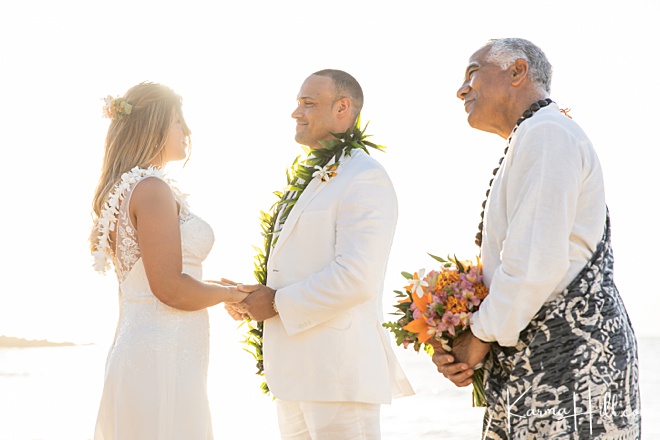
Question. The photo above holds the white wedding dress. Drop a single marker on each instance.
(155, 381)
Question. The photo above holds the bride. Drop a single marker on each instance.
(155, 380)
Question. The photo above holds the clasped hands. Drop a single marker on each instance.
(258, 305)
(458, 366)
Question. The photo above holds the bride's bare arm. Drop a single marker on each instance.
(154, 213)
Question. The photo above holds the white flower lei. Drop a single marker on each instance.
(107, 221)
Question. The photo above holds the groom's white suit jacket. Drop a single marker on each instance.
(328, 265)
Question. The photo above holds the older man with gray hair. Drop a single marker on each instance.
(559, 351)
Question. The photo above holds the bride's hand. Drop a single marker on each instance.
(229, 282)
(233, 294)
(222, 282)
(235, 313)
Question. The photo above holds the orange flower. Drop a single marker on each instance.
(446, 278)
(456, 305)
(420, 327)
(332, 172)
(480, 291)
(422, 301)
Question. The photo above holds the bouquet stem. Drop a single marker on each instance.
(478, 394)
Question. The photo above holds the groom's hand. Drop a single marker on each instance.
(259, 303)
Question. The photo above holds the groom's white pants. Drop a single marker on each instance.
(328, 420)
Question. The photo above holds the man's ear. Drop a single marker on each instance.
(519, 72)
(343, 108)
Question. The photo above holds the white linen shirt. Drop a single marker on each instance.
(543, 221)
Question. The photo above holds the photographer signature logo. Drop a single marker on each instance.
(607, 407)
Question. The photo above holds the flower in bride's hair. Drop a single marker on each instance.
(116, 108)
(107, 108)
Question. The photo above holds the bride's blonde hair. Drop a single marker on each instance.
(136, 139)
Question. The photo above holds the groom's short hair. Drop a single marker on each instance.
(345, 87)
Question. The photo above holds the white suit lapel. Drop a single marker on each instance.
(315, 187)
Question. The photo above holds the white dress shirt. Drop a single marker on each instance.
(544, 219)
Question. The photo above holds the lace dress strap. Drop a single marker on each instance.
(127, 251)
(184, 210)
(116, 213)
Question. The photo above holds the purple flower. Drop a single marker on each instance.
(448, 322)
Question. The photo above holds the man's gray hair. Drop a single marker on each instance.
(505, 52)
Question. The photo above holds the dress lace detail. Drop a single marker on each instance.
(127, 252)
(103, 252)
(156, 372)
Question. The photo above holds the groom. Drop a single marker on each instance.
(327, 359)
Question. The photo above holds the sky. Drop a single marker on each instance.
(238, 67)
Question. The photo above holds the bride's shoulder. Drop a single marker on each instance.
(141, 180)
(156, 191)
(151, 184)
(151, 191)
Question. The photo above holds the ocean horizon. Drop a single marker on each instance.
(52, 393)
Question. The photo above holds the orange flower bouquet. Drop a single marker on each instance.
(437, 307)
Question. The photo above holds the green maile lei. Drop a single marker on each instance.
(299, 175)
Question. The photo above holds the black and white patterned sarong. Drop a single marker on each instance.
(574, 373)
